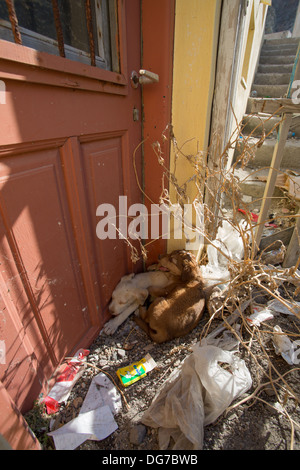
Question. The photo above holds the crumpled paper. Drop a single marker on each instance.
(95, 425)
(96, 418)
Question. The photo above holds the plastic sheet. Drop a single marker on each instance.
(65, 382)
(289, 350)
(209, 380)
(230, 242)
(260, 314)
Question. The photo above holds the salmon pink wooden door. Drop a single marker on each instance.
(70, 122)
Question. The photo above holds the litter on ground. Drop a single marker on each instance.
(217, 386)
(209, 380)
(66, 381)
(96, 418)
(290, 350)
(136, 371)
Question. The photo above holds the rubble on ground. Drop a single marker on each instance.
(265, 417)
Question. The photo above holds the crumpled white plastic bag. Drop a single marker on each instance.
(230, 242)
(289, 350)
(196, 396)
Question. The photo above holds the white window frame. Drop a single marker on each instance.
(43, 43)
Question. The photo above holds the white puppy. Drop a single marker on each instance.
(131, 292)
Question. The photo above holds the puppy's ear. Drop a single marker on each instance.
(127, 277)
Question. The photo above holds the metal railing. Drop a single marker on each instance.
(58, 25)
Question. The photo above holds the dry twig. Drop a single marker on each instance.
(248, 275)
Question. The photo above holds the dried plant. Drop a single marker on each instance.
(249, 275)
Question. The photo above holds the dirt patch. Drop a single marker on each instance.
(268, 420)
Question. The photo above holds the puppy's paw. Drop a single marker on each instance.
(111, 326)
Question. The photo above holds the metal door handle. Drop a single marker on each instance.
(148, 77)
(144, 77)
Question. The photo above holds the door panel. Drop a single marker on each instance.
(37, 225)
(41, 229)
(67, 137)
(19, 368)
(104, 172)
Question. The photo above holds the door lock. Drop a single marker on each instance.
(144, 77)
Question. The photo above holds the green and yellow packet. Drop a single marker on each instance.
(136, 371)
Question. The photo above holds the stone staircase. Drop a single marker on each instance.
(271, 81)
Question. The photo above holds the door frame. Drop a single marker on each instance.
(158, 23)
(43, 69)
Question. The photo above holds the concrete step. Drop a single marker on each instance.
(280, 51)
(268, 91)
(295, 126)
(276, 59)
(281, 41)
(275, 68)
(280, 46)
(256, 124)
(263, 155)
(253, 182)
(272, 79)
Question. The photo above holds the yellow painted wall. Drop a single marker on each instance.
(195, 49)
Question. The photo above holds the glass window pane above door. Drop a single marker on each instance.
(36, 15)
(38, 30)
(73, 20)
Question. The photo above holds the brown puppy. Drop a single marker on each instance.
(179, 306)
